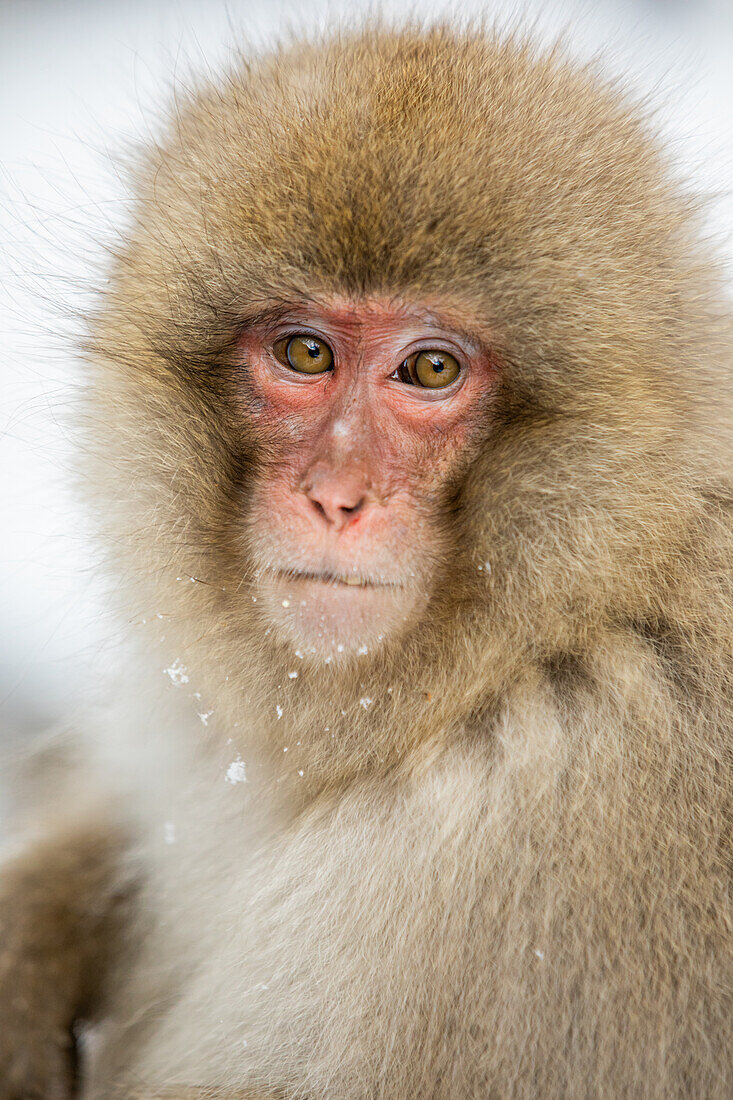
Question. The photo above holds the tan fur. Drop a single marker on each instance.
(508, 875)
(61, 907)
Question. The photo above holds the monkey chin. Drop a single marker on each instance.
(333, 617)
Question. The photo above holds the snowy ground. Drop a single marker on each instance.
(79, 79)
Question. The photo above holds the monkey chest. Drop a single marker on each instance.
(309, 973)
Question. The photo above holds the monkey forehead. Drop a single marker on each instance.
(408, 159)
(422, 163)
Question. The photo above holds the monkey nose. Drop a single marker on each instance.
(337, 500)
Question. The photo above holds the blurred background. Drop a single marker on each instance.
(83, 79)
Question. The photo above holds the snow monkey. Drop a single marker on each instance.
(407, 433)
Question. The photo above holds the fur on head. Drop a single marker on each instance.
(412, 164)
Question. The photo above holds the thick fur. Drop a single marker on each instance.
(492, 858)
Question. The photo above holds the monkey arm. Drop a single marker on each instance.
(61, 905)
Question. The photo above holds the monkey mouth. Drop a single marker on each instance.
(334, 612)
(349, 580)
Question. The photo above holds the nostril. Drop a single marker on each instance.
(337, 498)
(335, 512)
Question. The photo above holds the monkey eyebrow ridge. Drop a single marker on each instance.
(269, 315)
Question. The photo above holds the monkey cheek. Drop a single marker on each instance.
(333, 620)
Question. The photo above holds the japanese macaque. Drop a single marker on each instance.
(407, 431)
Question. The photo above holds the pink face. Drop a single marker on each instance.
(362, 410)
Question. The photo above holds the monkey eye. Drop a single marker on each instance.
(433, 370)
(304, 353)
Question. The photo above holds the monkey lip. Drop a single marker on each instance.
(333, 613)
(350, 580)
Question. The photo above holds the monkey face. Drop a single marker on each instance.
(345, 362)
(364, 410)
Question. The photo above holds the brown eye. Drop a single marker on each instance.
(433, 370)
(305, 354)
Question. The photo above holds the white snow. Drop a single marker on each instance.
(177, 672)
(236, 772)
